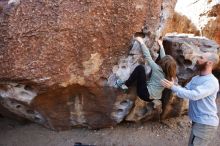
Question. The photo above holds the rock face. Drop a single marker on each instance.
(197, 17)
(62, 43)
(56, 57)
(59, 61)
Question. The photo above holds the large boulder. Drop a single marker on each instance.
(56, 57)
(59, 61)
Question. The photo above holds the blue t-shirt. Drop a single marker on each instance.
(201, 92)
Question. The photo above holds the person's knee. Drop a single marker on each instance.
(141, 67)
(144, 97)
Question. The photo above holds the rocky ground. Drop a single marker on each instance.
(171, 132)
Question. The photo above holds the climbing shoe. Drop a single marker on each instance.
(120, 85)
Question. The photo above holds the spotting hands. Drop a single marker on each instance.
(160, 42)
(166, 83)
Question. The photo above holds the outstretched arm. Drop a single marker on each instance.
(146, 53)
(199, 92)
(162, 51)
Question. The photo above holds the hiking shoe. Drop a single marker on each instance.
(120, 84)
(124, 87)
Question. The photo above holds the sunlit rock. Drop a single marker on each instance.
(200, 17)
(66, 51)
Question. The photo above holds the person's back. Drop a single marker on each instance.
(153, 84)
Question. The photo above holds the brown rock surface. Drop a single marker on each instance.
(179, 24)
(56, 58)
(70, 42)
(212, 29)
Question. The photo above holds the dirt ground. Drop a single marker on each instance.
(171, 132)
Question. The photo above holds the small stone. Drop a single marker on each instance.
(181, 124)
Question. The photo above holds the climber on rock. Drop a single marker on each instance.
(150, 89)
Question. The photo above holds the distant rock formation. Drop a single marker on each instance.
(199, 17)
(56, 57)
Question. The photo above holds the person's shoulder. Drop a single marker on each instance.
(208, 78)
(195, 77)
(214, 78)
(214, 82)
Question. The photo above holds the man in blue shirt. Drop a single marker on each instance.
(201, 92)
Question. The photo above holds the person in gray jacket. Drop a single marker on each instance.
(201, 92)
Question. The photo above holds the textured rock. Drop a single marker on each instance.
(64, 52)
(212, 29)
(59, 60)
(63, 43)
(143, 111)
(197, 17)
(179, 24)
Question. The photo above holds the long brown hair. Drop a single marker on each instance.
(169, 66)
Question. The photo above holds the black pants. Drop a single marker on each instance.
(139, 75)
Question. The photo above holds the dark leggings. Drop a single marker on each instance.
(139, 75)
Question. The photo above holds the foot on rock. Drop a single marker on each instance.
(120, 85)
